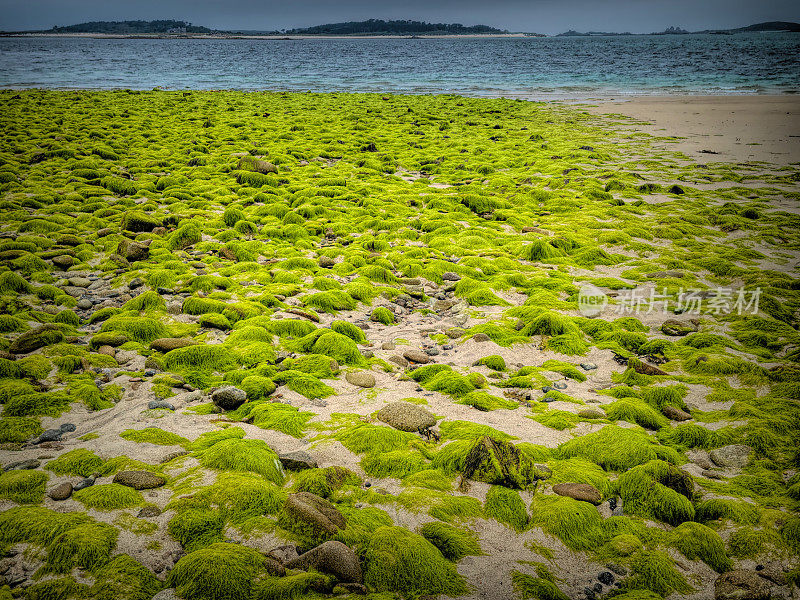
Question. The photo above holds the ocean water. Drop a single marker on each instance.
(532, 68)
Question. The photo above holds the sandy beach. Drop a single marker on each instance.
(718, 128)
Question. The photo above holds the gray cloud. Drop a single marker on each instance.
(545, 16)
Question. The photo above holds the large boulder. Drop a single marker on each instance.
(297, 461)
(139, 480)
(164, 345)
(579, 491)
(44, 335)
(406, 416)
(309, 515)
(741, 585)
(333, 558)
(228, 397)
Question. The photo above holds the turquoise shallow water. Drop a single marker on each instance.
(536, 68)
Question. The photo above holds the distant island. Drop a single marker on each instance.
(767, 26)
(370, 27)
(381, 27)
(132, 27)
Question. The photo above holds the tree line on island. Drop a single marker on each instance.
(369, 27)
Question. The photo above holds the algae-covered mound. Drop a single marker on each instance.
(243, 325)
(399, 560)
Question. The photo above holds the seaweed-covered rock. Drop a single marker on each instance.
(248, 163)
(139, 480)
(310, 515)
(644, 368)
(44, 335)
(416, 356)
(579, 491)
(406, 416)
(297, 461)
(498, 462)
(734, 456)
(133, 251)
(675, 327)
(674, 413)
(228, 397)
(740, 585)
(333, 558)
(164, 345)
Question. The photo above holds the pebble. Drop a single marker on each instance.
(431, 351)
(560, 385)
(85, 304)
(149, 372)
(588, 366)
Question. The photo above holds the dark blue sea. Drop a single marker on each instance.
(533, 68)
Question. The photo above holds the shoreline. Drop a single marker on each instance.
(281, 37)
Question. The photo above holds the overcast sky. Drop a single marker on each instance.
(542, 16)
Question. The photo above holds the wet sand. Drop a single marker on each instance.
(718, 128)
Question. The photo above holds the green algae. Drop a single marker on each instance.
(153, 435)
(218, 572)
(23, 487)
(401, 561)
(452, 542)
(80, 461)
(506, 506)
(108, 496)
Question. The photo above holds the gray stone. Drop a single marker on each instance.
(49, 435)
(229, 397)
(61, 492)
(740, 585)
(297, 461)
(156, 404)
(588, 366)
(139, 480)
(450, 276)
(85, 304)
(167, 594)
(387, 346)
(84, 483)
(406, 416)
(333, 558)
(734, 456)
